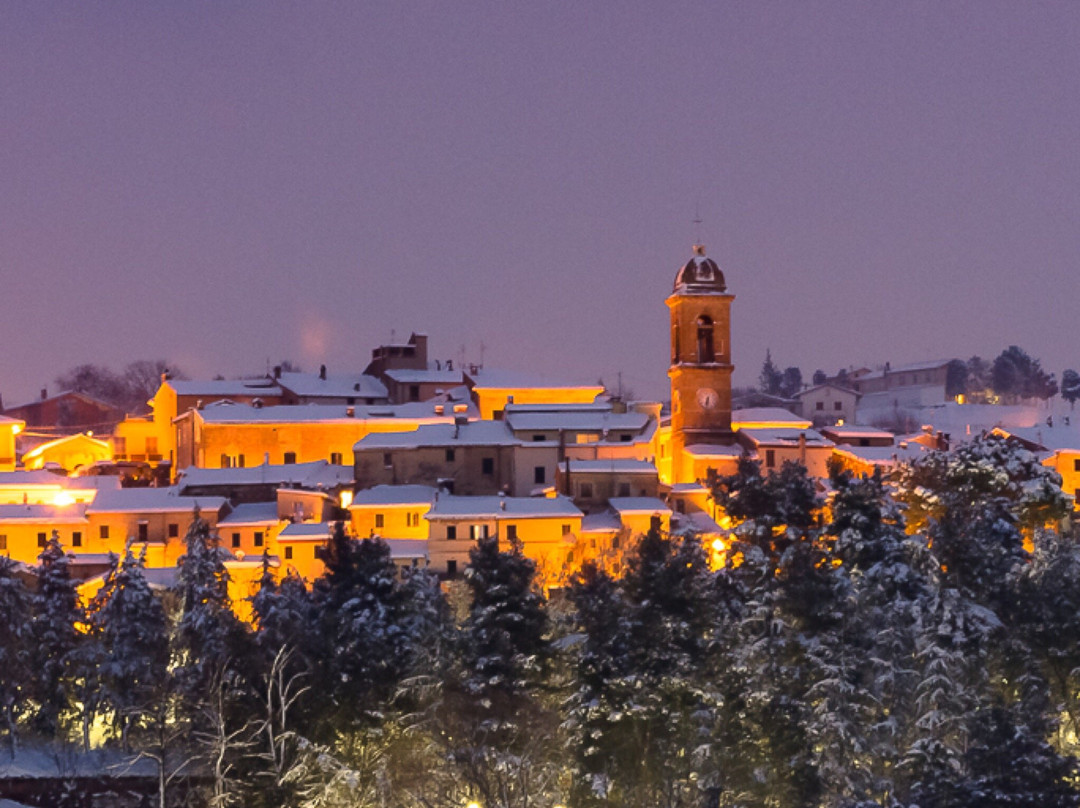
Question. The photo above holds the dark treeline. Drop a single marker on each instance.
(914, 642)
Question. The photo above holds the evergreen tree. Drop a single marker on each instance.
(362, 614)
(130, 622)
(820, 377)
(55, 640)
(496, 728)
(1070, 387)
(791, 382)
(16, 683)
(771, 379)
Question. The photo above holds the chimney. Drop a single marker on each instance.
(44, 393)
(199, 404)
(257, 403)
(350, 412)
(322, 372)
(277, 371)
(356, 387)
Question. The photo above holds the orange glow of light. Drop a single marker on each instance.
(63, 498)
(16, 429)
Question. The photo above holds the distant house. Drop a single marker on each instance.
(67, 413)
(921, 384)
(828, 403)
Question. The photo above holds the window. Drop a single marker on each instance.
(654, 522)
(537, 438)
(705, 351)
(144, 531)
(288, 553)
(258, 538)
(615, 543)
(565, 529)
(103, 532)
(585, 490)
(770, 458)
(624, 489)
(76, 538)
(1076, 465)
(451, 532)
(539, 475)
(412, 520)
(414, 392)
(387, 460)
(240, 461)
(626, 437)
(41, 539)
(838, 405)
(451, 568)
(225, 461)
(174, 530)
(3, 541)
(478, 532)
(379, 521)
(335, 458)
(151, 446)
(820, 405)
(570, 557)
(235, 539)
(497, 415)
(120, 447)
(511, 532)
(487, 466)
(449, 455)
(289, 459)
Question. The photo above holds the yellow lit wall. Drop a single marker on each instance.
(408, 521)
(9, 428)
(492, 400)
(20, 539)
(71, 453)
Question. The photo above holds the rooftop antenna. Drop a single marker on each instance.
(393, 335)
(483, 347)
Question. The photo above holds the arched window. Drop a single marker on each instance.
(705, 350)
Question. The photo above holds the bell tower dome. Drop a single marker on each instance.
(700, 370)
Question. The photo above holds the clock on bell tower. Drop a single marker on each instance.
(701, 366)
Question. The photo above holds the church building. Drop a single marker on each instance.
(701, 367)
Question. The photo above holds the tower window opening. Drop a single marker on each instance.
(705, 349)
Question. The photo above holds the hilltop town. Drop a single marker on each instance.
(431, 456)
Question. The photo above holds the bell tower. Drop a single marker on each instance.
(700, 370)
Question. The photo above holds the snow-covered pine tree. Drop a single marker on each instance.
(497, 732)
(362, 612)
(209, 638)
(16, 683)
(55, 637)
(130, 622)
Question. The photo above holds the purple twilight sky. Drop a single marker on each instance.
(221, 184)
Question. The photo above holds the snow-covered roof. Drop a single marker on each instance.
(407, 548)
(687, 488)
(429, 376)
(626, 505)
(1057, 438)
(600, 405)
(307, 531)
(837, 387)
(390, 495)
(315, 474)
(883, 455)
(40, 762)
(697, 522)
(492, 379)
(58, 514)
(224, 388)
(472, 433)
(785, 437)
(46, 479)
(8, 420)
(251, 513)
(604, 522)
(878, 373)
(230, 413)
(346, 385)
(151, 500)
(854, 432)
(762, 416)
(580, 420)
(612, 465)
(712, 450)
(448, 506)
